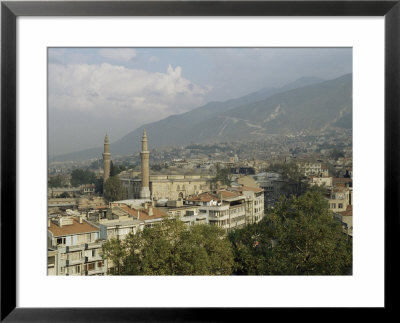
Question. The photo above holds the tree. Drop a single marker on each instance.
(300, 237)
(156, 168)
(112, 169)
(57, 181)
(291, 173)
(81, 176)
(64, 195)
(96, 164)
(223, 176)
(172, 248)
(115, 252)
(336, 154)
(114, 190)
(116, 169)
(99, 186)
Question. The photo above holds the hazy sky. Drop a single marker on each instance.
(92, 91)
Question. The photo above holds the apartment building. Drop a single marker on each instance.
(74, 247)
(340, 197)
(223, 208)
(325, 181)
(309, 168)
(188, 214)
(254, 202)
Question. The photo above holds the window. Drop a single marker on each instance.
(340, 206)
(61, 240)
(333, 205)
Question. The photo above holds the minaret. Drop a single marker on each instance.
(144, 154)
(106, 160)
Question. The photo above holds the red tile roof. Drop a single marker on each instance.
(74, 228)
(227, 194)
(144, 214)
(340, 189)
(341, 180)
(203, 197)
(101, 207)
(348, 212)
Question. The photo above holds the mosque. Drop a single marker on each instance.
(157, 187)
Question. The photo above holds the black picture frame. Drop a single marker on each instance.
(10, 10)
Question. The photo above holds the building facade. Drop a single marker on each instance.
(171, 187)
(75, 247)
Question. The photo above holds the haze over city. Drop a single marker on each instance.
(93, 91)
(200, 161)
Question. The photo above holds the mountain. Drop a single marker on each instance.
(312, 109)
(308, 103)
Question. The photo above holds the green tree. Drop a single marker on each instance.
(81, 176)
(98, 186)
(300, 237)
(156, 168)
(64, 195)
(115, 252)
(112, 169)
(96, 164)
(55, 181)
(336, 154)
(116, 169)
(291, 173)
(113, 190)
(223, 176)
(172, 248)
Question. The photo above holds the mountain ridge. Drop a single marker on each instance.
(282, 110)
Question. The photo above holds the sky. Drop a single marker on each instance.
(94, 91)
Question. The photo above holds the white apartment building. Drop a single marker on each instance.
(340, 198)
(254, 202)
(312, 168)
(74, 247)
(326, 181)
(224, 209)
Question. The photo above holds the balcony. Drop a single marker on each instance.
(71, 262)
(95, 258)
(96, 271)
(74, 248)
(93, 245)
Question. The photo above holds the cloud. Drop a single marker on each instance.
(153, 59)
(119, 92)
(118, 54)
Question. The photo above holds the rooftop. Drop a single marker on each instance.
(341, 180)
(203, 197)
(143, 214)
(248, 188)
(348, 212)
(69, 229)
